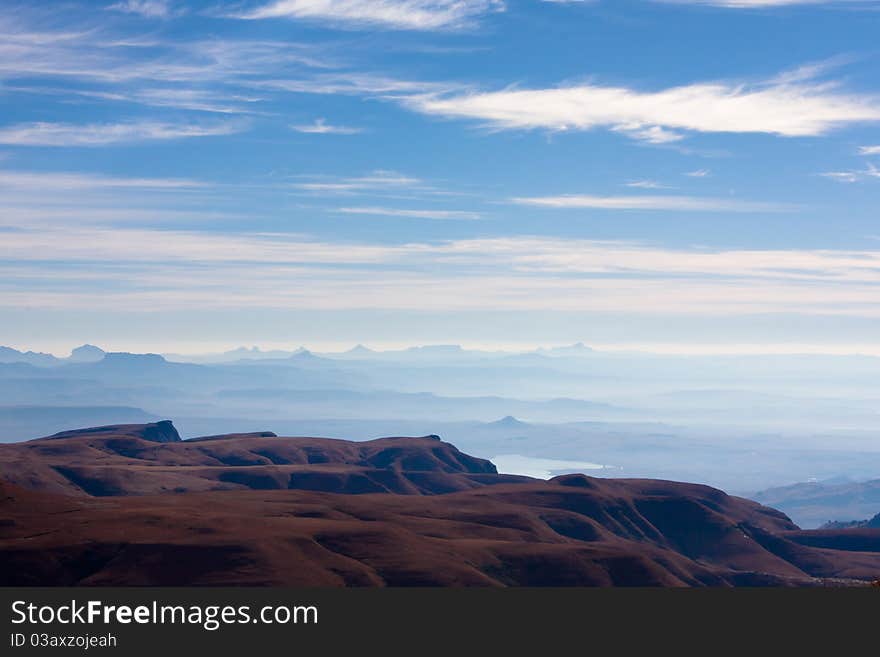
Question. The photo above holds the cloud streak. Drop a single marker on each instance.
(420, 15)
(647, 184)
(60, 181)
(783, 109)
(413, 214)
(104, 56)
(664, 203)
(145, 8)
(377, 181)
(321, 127)
(105, 134)
(137, 269)
(854, 175)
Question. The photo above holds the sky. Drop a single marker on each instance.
(681, 176)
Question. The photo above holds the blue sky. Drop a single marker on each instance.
(678, 176)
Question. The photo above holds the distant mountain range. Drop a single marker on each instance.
(740, 423)
(871, 523)
(91, 353)
(136, 505)
(85, 354)
(815, 504)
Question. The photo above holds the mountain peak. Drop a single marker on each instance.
(576, 349)
(87, 353)
(508, 421)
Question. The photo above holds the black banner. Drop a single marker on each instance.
(162, 621)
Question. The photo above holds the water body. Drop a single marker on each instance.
(543, 468)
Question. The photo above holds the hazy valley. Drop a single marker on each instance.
(743, 424)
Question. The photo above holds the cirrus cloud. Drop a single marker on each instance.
(676, 203)
(105, 134)
(389, 14)
(272, 270)
(321, 127)
(412, 214)
(800, 109)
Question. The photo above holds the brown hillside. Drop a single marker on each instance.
(100, 508)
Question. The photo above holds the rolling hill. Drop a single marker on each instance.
(135, 505)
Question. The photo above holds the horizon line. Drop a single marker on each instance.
(200, 350)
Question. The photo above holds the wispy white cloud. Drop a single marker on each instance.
(102, 56)
(514, 273)
(413, 214)
(321, 127)
(854, 175)
(61, 181)
(699, 173)
(146, 8)
(526, 254)
(98, 134)
(647, 184)
(785, 109)
(200, 100)
(53, 199)
(195, 246)
(678, 203)
(389, 14)
(96, 209)
(869, 150)
(217, 75)
(379, 180)
(354, 83)
(842, 176)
